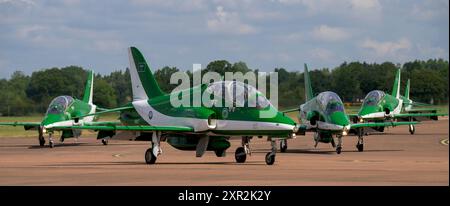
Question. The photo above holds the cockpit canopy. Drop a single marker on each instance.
(331, 102)
(59, 104)
(238, 93)
(373, 97)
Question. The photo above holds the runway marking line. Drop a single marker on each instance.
(444, 142)
(117, 155)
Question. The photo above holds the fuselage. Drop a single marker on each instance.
(379, 105)
(62, 109)
(214, 119)
(325, 112)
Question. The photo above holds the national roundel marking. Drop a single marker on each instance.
(225, 113)
(150, 114)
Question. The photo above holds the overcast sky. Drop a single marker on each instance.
(36, 34)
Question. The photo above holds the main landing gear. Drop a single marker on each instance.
(152, 153)
(241, 152)
(412, 129)
(41, 137)
(105, 141)
(339, 144)
(51, 143)
(270, 156)
(283, 145)
(360, 144)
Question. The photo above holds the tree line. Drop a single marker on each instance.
(24, 95)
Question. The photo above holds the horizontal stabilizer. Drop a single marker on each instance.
(106, 111)
(290, 110)
(380, 124)
(128, 128)
(420, 115)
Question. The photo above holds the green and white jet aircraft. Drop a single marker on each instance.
(410, 106)
(151, 116)
(379, 106)
(60, 113)
(325, 115)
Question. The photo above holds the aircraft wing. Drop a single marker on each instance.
(106, 111)
(26, 125)
(418, 104)
(380, 124)
(101, 109)
(290, 110)
(420, 114)
(429, 110)
(112, 127)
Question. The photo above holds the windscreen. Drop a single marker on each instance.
(373, 97)
(59, 104)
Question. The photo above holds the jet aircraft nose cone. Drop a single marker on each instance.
(365, 110)
(339, 118)
(52, 118)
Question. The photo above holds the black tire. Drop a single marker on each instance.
(240, 155)
(220, 153)
(270, 158)
(51, 144)
(283, 147)
(338, 150)
(412, 129)
(149, 157)
(105, 141)
(360, 147)
(41, 141)
(61, 139)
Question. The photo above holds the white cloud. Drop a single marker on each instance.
(365, 4)
(184, 5)
(228, 22)
(432, 52)
(322, 54)
(368, 8)
(30, 31)
(26, 3)
(387, 48)
(430, 9)
(294, 37)
(68, 37)
(331, 34)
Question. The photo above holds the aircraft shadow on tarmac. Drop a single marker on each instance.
(399, 134)
(324, 152)
(62, 145)
(90, 164)
(83, 144)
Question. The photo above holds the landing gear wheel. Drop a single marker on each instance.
(41, 141)
(51, 144)
(412, 129)
(149, 157)
(220, 153)
(240, 155)
(283, 145)
(270, 158)
(360, 147)
(338, 150)
(61, 139)
(105, 141)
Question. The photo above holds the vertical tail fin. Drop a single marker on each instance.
(407, 90)
(144, 85)
(396, 87)
(89, 88)
(308, 89)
